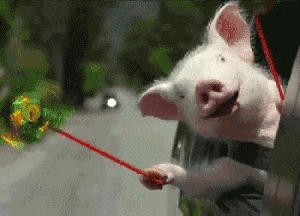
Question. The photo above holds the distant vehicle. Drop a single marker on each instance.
(109, 100)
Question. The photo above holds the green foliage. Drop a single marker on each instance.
(191, 206)
(70, 34)
(31, 118)
(141, 38)
(94, 76)
(5, 23)
(5, 9)
(57, 114)
(153, 46)
(46, 28)
(2, 81)
(4, 126)
(256, 6)
(2, 105)
(182, 8)
(30, 70)
(44, 19)
(31, 76)
(49, 90)
(160, 58)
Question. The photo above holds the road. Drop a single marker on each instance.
(59, 177)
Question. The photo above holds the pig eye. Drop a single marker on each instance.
(221, 58)
(180, 95)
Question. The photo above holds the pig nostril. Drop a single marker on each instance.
(204, 98)
(217, 88)
(209, 90)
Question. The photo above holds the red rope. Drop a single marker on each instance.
(268, 56)
(156, 180)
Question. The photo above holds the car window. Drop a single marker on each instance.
(193, 151)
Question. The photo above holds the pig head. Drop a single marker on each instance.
(217, 89)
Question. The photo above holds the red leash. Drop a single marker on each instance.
(156, 180)
(268, 56)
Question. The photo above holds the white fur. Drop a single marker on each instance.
(213, 180)
(256, 120)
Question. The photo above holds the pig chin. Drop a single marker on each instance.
(230, 126)
(235, 126)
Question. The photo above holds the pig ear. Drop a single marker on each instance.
(232, 28)
(156, 101)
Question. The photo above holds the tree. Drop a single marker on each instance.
(67, 32)
(47, 40)
(153, 46)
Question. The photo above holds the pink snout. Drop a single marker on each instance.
(214, 99)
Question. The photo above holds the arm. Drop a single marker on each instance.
(211, 181)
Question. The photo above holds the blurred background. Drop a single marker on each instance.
(82, 47)
(82, 53)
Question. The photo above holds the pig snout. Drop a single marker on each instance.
(214, 99)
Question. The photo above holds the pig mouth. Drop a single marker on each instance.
(226, 108)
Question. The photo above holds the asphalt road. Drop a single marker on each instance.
(59, 177)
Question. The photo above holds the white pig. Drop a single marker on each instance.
(218, 91)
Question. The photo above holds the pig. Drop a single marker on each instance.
(218, 91)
